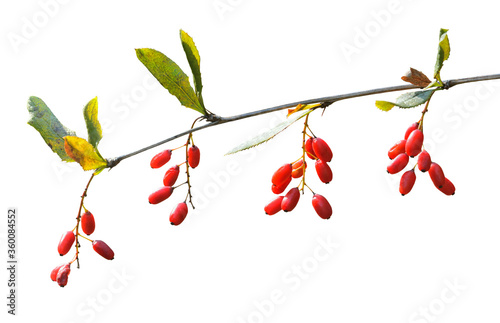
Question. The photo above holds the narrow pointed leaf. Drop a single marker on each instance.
(302, 107)
(93, 125)
(193, 57)
(83, 153)
(269, 134)
(49, 127)
(443, 52)
(171, 76)
(406, 100)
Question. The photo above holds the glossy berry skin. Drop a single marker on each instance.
(160, 195)
(297, 169)
(290, 200)
(324, 171)
(103, 249)
(274, 206)
(193, 156)
(414, 143)
(407, 181)
(309, 148)
(398, 164)
(53, 273)
(171, 176)
(448, 187)
(437, 175)
(321, 206)
(88, 223)
(410, 129)
(283, 174)
(178, 214)
(397, 149)
(281, 188)
(62, 275)
(161, 159)
(322, 150)
(424, 161)
(66, 242)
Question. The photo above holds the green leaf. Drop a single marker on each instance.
(193, 57)
(83, 153)
(49, 127)
(443, 52)
(268, 135)
(406, 100)
(171, 76)
(93, 125)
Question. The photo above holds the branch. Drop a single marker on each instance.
(215, 120)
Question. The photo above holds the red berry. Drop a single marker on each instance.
(160, 195)
(414, 143)
(324, 171)
(161, 159)
(397, 149)
(424, 161)
(274, 206)
(283, 174)
(297, 169)
(448, 187)
(407, 181)
(309, 148)
(53, 273)
(62, 275)
(178, 213)
(88, 223)
(398, 164)
(410, 129)
(290, 200)
(103, 249)
(67, 240)
(437, 175)
(171, 175)
(193, 156)
(321, 206)
(281, 188)
(322, 150)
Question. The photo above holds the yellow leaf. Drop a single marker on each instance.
(301, 107)
(81, 151)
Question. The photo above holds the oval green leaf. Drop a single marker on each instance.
(406, 100)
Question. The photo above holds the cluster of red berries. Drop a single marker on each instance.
(87, 223)
(179, 213)
(316, 149)
(411, 146)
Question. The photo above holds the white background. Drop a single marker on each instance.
(396, 258)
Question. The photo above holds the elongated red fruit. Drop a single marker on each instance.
(297, 169)
(88, 223)
(290, 200)
(160, 195)
(324, 171)
(103, 249)
(193, 156)
(53, 273)
(309, 148)
(178, 214)
(322, 150)
(414, 143)
(62, 275)
(448, 187)
(322, 206)
(398, 164)
(161, 159)
(424, 161)
(410, 129)
(171, 175)
(281, 188)
(407, 181)
(274, 206)
(437, 175)
(67, 240)
(397, 149)
(283, 174)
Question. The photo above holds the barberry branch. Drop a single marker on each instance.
(214, 120)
